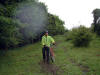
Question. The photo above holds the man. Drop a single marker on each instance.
(46, 42)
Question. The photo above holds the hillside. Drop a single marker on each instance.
(27, 60)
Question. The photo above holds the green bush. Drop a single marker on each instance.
(8, 33)
(81, 36)
(68, 35)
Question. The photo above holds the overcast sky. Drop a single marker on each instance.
(73, 12)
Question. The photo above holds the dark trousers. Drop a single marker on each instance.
(45, 52)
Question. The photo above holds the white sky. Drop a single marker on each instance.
(73, 12)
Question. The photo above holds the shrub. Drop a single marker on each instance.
(81, 36)
(7, 33)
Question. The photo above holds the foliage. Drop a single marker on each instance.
(34, 16)
(2, 10)
(19, 61)
(96, 22)
(15, 31)
(80, 36)
(8, 32)
(55, 25)
(97, 29)
(96, 14)
(11, 2)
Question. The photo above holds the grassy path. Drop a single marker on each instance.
(69, 60)
(79, 61)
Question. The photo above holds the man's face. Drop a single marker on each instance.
(46, 34)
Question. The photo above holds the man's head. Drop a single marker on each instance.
(46, 33)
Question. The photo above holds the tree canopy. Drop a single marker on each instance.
(24, 21)
(96, 22)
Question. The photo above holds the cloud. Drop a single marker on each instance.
(73, 12)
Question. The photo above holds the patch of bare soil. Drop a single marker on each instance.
(85, 69)
(50, 68)
(98, 55)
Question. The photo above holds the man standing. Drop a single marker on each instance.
(46, 42)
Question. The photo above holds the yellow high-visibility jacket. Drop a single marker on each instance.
(47, 40)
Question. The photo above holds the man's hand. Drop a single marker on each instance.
(44, 45)
(54, 43)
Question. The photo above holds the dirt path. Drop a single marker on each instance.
(55, 70)
(50, 69)
(85, 69)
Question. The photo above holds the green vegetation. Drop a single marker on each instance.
(96, 22)
(8, 34)
(69, 60)
(80, 36)
(76, 50)
(55, 25)
(78, 61)
(24, 21)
